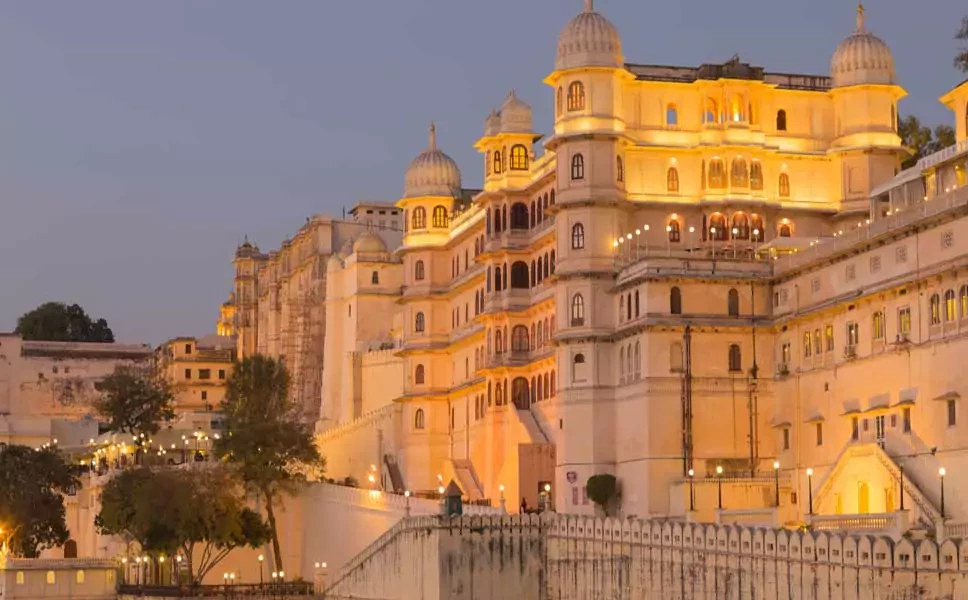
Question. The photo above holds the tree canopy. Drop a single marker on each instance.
(921, 140)
(199, 513)
(32, 484)
(135, 400)
(58, 322)
(961, 59)
(267, 446)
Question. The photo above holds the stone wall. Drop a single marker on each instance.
(572, 558)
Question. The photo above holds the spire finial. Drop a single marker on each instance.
(860, 16)
(589, 5)
(433, 136)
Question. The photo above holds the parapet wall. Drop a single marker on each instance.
(569, 557)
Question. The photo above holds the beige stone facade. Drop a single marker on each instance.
(198, 370)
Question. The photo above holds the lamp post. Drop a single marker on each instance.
(503, 501)
(692, 491)
(776, 482)
(668, 241)
(735, 234)
(712, 238)
(275, 577)
(719, 485)
(406, 496)
(261, 559)
(124, 568)
(178, 560)
(810, 491)
(901, 468)
(692, 236)
(941, 474)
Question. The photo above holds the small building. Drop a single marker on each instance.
(198, 369)
(58, 579)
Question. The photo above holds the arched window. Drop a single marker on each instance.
(739, 177)
(702, 176)
(519, 276)
(577, 310)
(628, 305)
(741, 226)
(935, 312)
(577, 167)
(877, 326)
(963, 295)
(732, 303)
(785, 230)
(756, 175)
(637, 303)
(419, 218)
(519, 158)
(540, 341)
(781, 120)
(70, 551)
(418, 375)
(672, 180)
(675, 301)
(784, 185)
(620, 169)
(576, 96)
(418, 270)
(675, 357)
(559, 97)
(577, 236)
(711, 112)
(519, 393)
(579, 359)
(637, 362)
(504, 158)
(497, 279)
(672, 115)
(756, 223)
(418, 419)
(674, 230)
(498, 342)
(418, 323)
(735, 358)
(717, 227)
(736, 106)
(497, 162)
(519, 338)
(498, 394)
(717, 174)
(950, 308)
(519, 216)
(375, 278)
(440, 216)
(553, 261)
(621, 362)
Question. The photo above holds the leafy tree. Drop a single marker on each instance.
(921, 140)
(58, 322)
(602, 490)
(199, 513)
(32, 484)
(134, 400)
(961, 59)
(267, 446)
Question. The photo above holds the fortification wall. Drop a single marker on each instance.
(569, 557)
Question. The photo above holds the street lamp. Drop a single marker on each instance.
(692, 491)
(776, 481)
(810, 491)
(719, 484)
(261, 581)
(941, 474)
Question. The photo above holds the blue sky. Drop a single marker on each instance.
(139, 141)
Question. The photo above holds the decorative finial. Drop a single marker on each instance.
(433, 136)
(589, 5)
(860, 16)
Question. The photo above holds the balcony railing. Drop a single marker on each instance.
(880, 522)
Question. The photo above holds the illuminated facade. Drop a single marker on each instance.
(700, 270)
(198, 370)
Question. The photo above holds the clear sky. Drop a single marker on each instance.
(139, 141)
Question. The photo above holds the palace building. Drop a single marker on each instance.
(701, 277)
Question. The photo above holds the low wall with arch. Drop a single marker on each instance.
(572, 557)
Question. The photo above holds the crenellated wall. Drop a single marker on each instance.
(571, 557)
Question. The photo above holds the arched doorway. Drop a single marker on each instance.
(70, 549)
(863, 498)
(520, 394)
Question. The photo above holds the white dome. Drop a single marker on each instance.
(862, 58)
(589, 40)
(432, 173)
(334, 263)
(515, 115)
(492, 125)
(369, 242)
(345, 250)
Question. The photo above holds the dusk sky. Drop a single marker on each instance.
(140, 141)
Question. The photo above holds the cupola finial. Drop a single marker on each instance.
(433, 136)
(589, 5)
(860, 16)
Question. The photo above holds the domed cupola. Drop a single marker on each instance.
(492, 125)
(589, 40)
(432, 173)
(515, 115)
(862, 58)
(369, 243)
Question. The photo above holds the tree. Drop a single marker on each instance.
(603, 491)
(961, 59)
(134, 400)
(58, 322)
(269, 449)
(199, 513)
(32, 484)
(921, 140)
